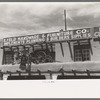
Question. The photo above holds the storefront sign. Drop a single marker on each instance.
(96, 35)
(80, 34)
(69, 35)
(49, 37)
(24, 40)
(96, 32)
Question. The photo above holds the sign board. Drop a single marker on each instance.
(69, 35)
(22, 40)
(96, 35)
(48, 37)
(96, 32)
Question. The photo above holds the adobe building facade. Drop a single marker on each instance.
(75, 49)
(94, 54)
(71, 50)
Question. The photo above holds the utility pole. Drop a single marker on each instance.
(65, 20)
(66, 24)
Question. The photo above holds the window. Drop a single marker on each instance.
(8, 59)
(8, 56)
(81, 53)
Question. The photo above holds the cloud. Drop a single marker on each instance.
(91, 9)
(32, 18)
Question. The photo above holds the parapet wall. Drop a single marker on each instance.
(67, 66)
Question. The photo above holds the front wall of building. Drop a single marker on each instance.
(1, 52)
(67, 56)
(96, 51)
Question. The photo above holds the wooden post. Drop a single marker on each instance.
(18, 72)
(24, 49)
(39, 72)
(47, 46)
(99, 39)
(3, 60)
(51, 47)
(89, 41)
(70, 50)
(62, 71)
(88, 72)
(12, 55)
(9, 73)
(62, 49)
(50, 74)
(74, 72)
(17, 51)
(29, 73)
(65, 20)
(1, 75)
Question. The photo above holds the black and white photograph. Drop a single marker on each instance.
(49, 41)
(49, 50)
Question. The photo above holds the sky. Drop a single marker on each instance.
(18, 19)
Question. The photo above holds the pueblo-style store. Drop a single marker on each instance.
(63, 46)
(55, 52)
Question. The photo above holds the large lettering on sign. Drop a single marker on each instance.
(22, 40)
(57, 36)
(49, 37)
(81, 34)
(96, 32)
(69, 35)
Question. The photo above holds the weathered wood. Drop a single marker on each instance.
(3, 60)
(39, 72)
(61, 71)
(89, 41)
(8, 72)
(70, 50)
(12, 55)
(65, 20)
(50, 72)
(62, 49)
(19, 73)
(47, 46)
(1, 75)
(51, 47)
(88, 72)
(74, 72)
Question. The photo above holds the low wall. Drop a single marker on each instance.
(68, 66)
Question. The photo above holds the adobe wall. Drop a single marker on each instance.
(1, 52)
(67, 56)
